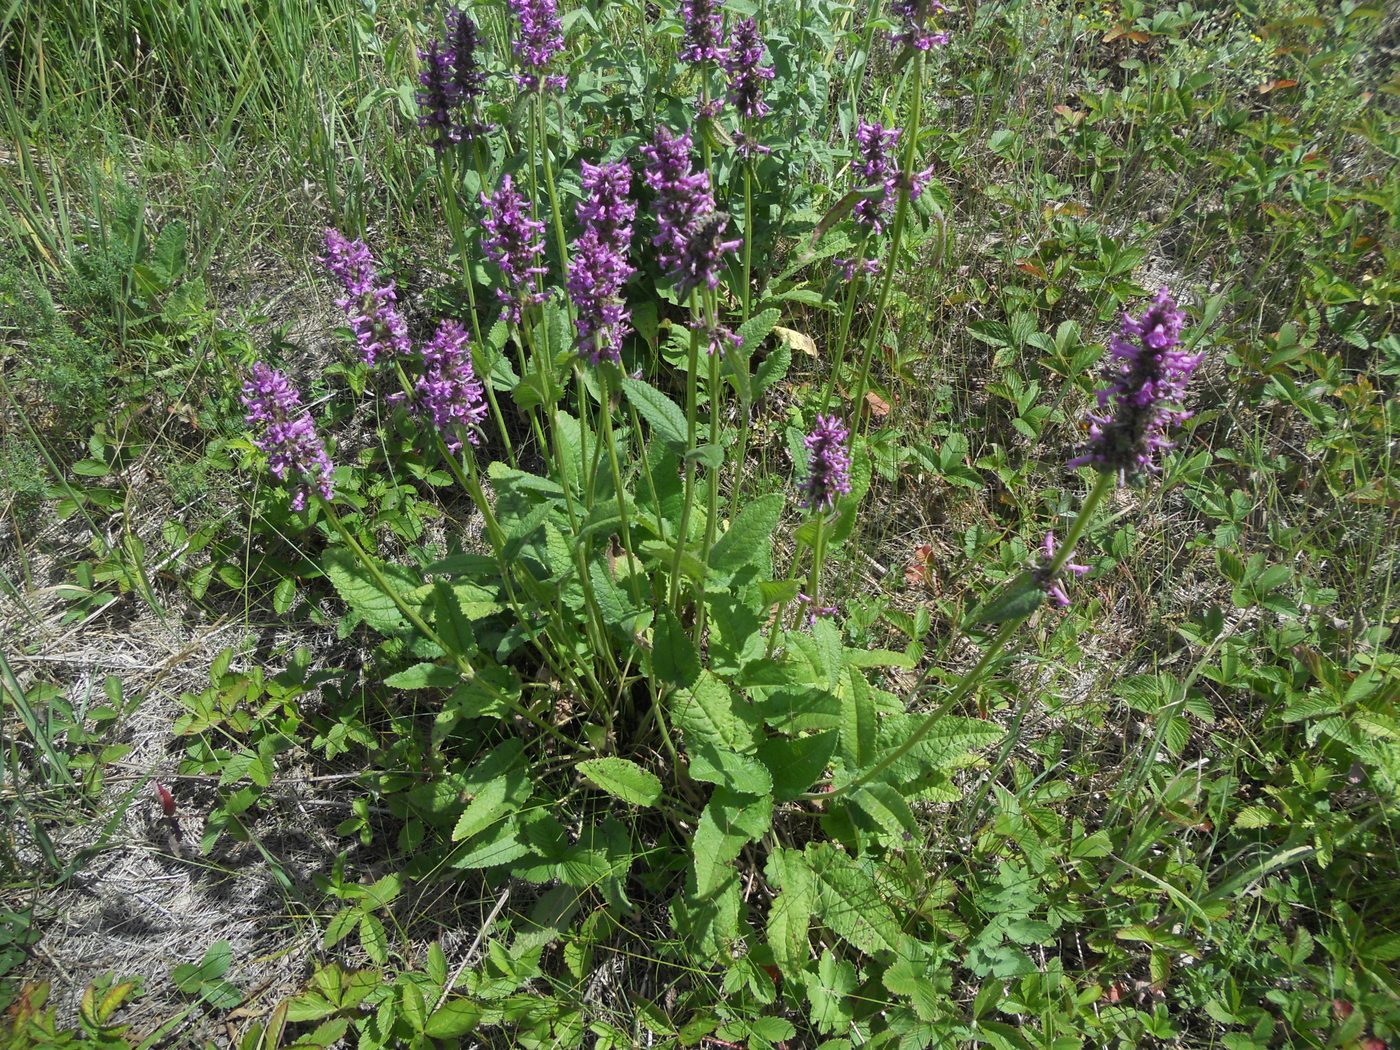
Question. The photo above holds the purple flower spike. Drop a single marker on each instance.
(913, 17)
(539, 38)
(447, 393)
(438, 98)
(704, 252)
(289, 436)
(722, 340)
(1147, 376)
(743, 62)
(689, 238)
(875, 166)
(514, 242)
(704, 22)
(369, 302)
(468, 79)
(599, 267)
(828, 464)
(1052, 585)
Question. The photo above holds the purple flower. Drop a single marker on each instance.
(369, 302)
(722, 340)
(468, 79)
(875, 167)
(289, 436)
(689, 233)
(438, 98)
(1051, 584)
(913, 16)
(704, 250)
(814, 610)
(828, 464)
(704, 21)
(850, 267)
(743, 63)
(514, 242)
(1147, 376)
(447, 393)
(539, 37)
(599, 267)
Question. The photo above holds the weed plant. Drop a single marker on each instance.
(843, 526)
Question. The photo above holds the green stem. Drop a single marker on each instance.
(901, 216)
(691, 410)
(998, 643)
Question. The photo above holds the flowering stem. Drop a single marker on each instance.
(611, 442)
(550, 187)
(464, 666)
(897, 234)
(845, 331)
(998, 643)
(459, 237)
(814, 582)
(691, 398)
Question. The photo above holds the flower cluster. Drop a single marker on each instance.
(1147, 375)
(453, 83)
(875, 167)
(369, 303)
(1050, 582)
(447, 392)
(689, 238)
(828, 464)
(704, 21)
(289, 436)
(743, 62)
(514, 242)
(913, 30)
(599, 267)
(539, 38)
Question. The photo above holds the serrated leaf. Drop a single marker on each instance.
(749, 535)
(887, 808)
(850, 903)
(738, 773)
(489, 806)
(790, 917)
(373, 938)
(359, 590)
(857, 745)
(796, 762)
(728, 822)
(623, 779)
(454, 1018)
(705, 713)
(425, 676)
(674, 659)
(664, 415)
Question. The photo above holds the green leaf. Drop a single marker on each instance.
(359, 590)
(727, 824)
(796, 762)
(829, 990)
(674, 659)
(886, 807)
(665, 417)
(749, 536)
(623, 779)
(850, 903)
(454, 1018)
(488, 807)
(738, 773)
(773, 368)
(705, 713)
(857, 744)
(425, 676)
(790, 916)
(373, 939)
(1015, 601)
